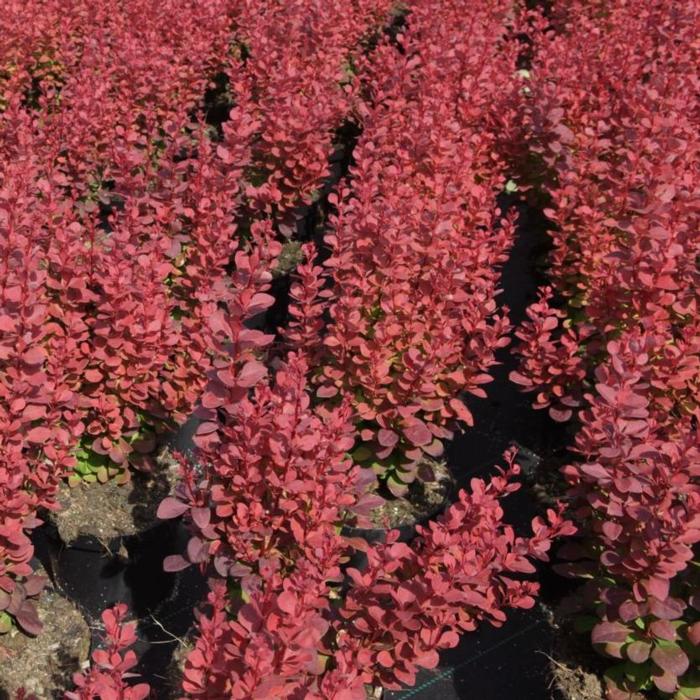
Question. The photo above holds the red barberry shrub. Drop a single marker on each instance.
(411, 602)
(39, 420)
(293, 475)
(119, 223)
(616, 343)
(265, 503)
(550, 358)
(107, 199)
(110, 672)
(417, 240)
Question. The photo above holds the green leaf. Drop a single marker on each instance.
(689, 686)
(396, 486)
(378, 468)
(638, 674)
(5, 623)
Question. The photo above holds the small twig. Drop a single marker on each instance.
(168, 632)
(558, 664)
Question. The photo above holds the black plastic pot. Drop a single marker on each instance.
(95, 575)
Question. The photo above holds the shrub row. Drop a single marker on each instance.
(416, 243)
(613, 116)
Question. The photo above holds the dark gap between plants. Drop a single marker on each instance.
(510, 661)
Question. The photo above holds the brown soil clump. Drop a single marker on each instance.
(44, 665)
(107, 511)
(425, 498)
(576, 669)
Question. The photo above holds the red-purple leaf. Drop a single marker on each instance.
(670, 658)
(417, 433)
(175, 562)
(171, 508)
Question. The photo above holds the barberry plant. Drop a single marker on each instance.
(613, 343)
(109, 674)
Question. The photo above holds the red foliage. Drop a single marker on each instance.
(272, 485)
(265, 507)
(298, 64)
(118, 221)
(411, 602)
(614, 123)
(417, 240)
(109, 675)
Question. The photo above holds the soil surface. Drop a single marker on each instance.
(426, 498)
(576, 669)
(44, 665)
(107, 511)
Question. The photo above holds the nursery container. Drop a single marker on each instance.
(95, 574)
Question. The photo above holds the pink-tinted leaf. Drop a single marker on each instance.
(171, 508)
(638, 652)
(251, 374)
(28, 619)
(670, 658)
(387, 438)
(605, 632)
(175, 562)
(39, 435)
(417, 433)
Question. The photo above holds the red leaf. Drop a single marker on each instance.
(671, 659)
(201, 517)
(171, 508)
(326, 392)
(669, 609)
(28, 619)
(462, 412)
(385, 659)
(39, 435)
(663, 629)
(251, 374)
(387, 438)
(34, 356)
(417, 433)
(175, 562)
(638, 652)
(287, 602)
(609, 632)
